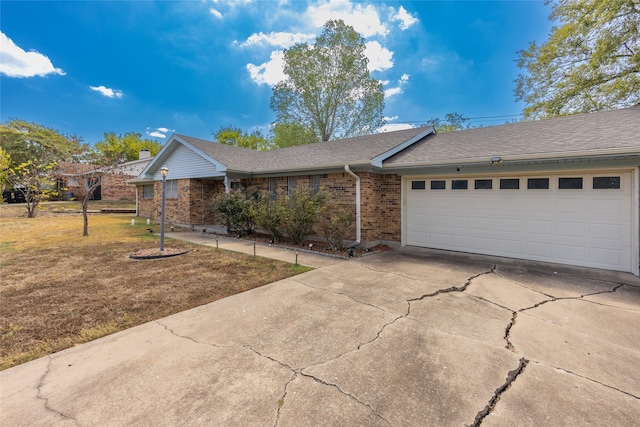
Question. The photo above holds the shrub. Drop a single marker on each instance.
(301, 213)
(234, 209)
(334, 225)
(269, 215)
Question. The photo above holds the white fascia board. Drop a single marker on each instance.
(377, 161)
(165, 152)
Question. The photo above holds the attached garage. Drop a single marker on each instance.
(583, 219)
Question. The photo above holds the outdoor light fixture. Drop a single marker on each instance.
(296, 252)
(164, 171)
(496, 160)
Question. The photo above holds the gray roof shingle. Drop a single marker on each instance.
(358, 150)
(565, 136)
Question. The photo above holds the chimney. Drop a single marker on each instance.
(144, 154)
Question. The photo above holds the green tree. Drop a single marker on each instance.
(238, 138)
(590, 62)
(125, 148)
(26, 141)
(36, 152)
(328, 87)
(451, 123)
(292, 134)
(5, 163)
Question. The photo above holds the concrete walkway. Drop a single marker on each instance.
(404, 338)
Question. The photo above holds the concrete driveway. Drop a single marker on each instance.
(405, 338)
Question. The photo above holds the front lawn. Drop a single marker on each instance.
(59, 289)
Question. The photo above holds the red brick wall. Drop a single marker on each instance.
(114, 187)
(380, 201)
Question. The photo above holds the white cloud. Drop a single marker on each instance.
(270, 72)
(15, 62)
(280, 39)
(108, 92)
(380, 58)
(405, 18)
(159, 132)
(215, 12)
(404, 79)
(390, 127)
(365, 19)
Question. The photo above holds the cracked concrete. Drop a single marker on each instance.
(409, 337)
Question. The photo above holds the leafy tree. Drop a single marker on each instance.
(36, 181)
(590, 62)
(125, 148)
(237, 137)
(291, 134)
(5, 162)
(328, 87)
(453, 122)
(35, 152)
(26, 141)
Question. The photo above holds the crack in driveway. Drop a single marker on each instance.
(46, 399)
(511, 377)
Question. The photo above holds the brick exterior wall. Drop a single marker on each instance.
(114, 187)
(380, 201)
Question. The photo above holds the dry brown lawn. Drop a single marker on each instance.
(59, 289)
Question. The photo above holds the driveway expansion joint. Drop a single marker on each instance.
(45, 399)
(511, 377)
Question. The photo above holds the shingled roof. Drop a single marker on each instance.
(600, 133)
(356, 151)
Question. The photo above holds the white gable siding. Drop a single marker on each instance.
(184, 163)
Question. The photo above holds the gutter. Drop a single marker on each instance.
(358, 232)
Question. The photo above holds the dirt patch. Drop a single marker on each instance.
(59, 289)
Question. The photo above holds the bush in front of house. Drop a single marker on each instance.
(334, 225)
(294, 216)
(234, 210)
(269, 216)
(302, 211)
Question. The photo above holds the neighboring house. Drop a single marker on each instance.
(562, 190)
(113, 184)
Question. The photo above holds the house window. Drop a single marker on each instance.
(273, 187)
(459, 184)
(291, 185)
(418, 185)
(314, 183)
(438, 185)
(235, 185)
(606, 182)
(538, 184)
(483, 184)
(147, 191)
(171, 189)
(570, 183)
(510, 184)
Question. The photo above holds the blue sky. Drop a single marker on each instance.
(190, 67)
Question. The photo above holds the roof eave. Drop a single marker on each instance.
(379, 159)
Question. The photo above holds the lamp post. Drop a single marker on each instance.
(164, 171)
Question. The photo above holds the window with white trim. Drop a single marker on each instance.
(171, 189)
(147, 191)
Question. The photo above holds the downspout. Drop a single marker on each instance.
(358, 233)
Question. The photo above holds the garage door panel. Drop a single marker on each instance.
(590, 227)
(537, 227)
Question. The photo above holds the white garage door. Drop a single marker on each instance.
(574, 219)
